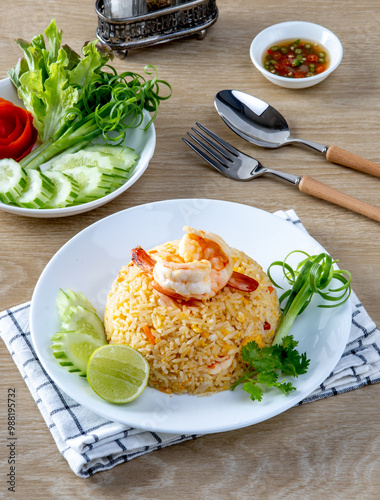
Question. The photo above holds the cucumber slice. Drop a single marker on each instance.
(106, 163)
(93, 183)
(13, 180)
(127, 155)
(69, 298)
(73, 350)
(78, 159)
(78, 318)
(66, 189)
(70, 150)
(38, 191)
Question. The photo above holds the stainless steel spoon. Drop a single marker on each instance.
(259, 123)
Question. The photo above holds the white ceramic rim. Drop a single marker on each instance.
(90, 262)
(7, 89)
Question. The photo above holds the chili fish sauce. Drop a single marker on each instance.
(296, 59)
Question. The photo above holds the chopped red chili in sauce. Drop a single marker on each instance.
(296, 59)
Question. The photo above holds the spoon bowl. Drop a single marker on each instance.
(258, 122)
(236, 165)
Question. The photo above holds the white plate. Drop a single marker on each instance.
(90, 261)
(142, 142)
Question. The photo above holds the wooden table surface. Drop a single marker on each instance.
(328, 448)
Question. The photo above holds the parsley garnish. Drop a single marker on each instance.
(267, 364)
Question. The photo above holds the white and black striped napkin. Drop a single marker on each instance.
(91, 443)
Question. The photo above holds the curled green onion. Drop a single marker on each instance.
(108, 105)
(313, 275)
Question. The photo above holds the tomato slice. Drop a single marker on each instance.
(17, 133)
(7, 126)
(8, 114)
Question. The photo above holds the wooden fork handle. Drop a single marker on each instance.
(342, 157)
(315, 188)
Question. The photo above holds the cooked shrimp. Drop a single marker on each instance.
(188, 279)
(165, 300)
(221, 365)
(142, 259)
(242, 282)
(198, 246)
(202, 268)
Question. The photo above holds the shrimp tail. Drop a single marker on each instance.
(242, 282)
(166, 300)
(142, 259)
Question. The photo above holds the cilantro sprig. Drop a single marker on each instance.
(265, 365)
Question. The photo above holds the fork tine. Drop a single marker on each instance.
(221, 141)
(212, 161)
(226, 154)
(221, 159)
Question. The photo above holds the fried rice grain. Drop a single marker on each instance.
(191, 346)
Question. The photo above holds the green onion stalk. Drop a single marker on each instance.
(313, 275)
(108, 106)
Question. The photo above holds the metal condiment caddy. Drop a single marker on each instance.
(153, 22)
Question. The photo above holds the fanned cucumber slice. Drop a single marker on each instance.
(106, 163)
(69, 298)
(127, 155)
(114, 163)
(78, 318)
(81, 331)
(38, 191)
(92, 182)
(13, 180)
(66, 189)
(73, 350)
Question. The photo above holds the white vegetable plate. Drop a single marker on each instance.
(142, 142)
(91, 260)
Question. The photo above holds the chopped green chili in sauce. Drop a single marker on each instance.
(296, 59)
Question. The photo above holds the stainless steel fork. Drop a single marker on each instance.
(234, 164)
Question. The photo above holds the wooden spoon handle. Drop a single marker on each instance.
(342, 157)
(315, 188)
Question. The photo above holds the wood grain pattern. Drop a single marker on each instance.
(342, 157)
(315, 188)
(325, 449)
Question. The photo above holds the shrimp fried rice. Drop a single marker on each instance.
(192, 346)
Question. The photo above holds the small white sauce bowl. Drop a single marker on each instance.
(294, 30)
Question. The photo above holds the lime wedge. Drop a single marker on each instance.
(117, 373)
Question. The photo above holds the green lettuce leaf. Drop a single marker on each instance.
(88, 66)
(48, 101)
(49, 78)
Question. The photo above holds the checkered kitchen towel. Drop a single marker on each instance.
(91, 443)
